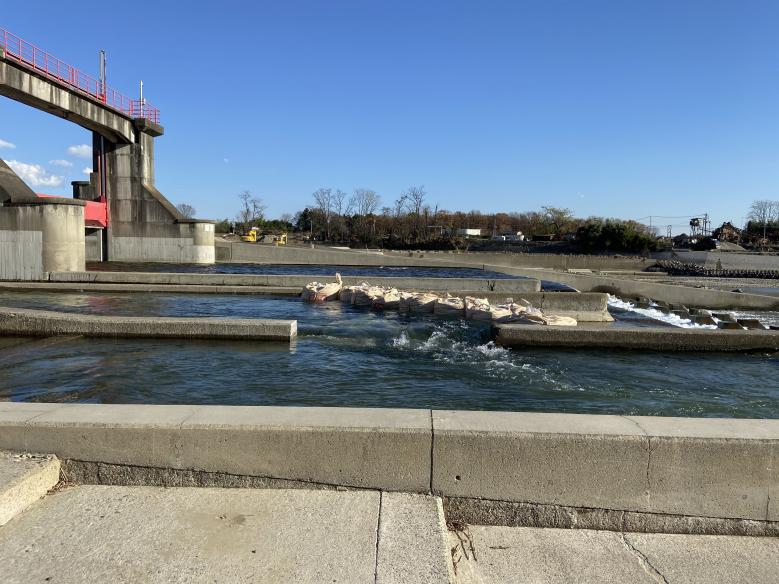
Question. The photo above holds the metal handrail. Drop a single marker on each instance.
(32, 57)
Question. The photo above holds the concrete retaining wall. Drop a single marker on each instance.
(44, 323)
(711, 468)
(240, 252)
(189, 243)
(728, 260)
(323, 255)
(441, 284)
(644, 338)
(692, 297)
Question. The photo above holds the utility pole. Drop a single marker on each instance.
(102, 89)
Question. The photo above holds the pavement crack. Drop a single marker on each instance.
(432, 450)
(768, 494)
(378, 536)
(643, 560)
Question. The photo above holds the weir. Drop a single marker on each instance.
(141, 224)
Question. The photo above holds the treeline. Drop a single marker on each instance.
(359, 219)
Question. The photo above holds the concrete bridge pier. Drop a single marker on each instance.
(143, 225)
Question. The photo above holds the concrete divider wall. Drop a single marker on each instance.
(714, 468)
(280, 280)
(45, 323)
(643, 338)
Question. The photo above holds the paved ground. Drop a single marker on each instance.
(522, 554)
(153, 534)
(110, 534)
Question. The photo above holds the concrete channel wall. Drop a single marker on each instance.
(44, 323)
(438, 284)
(669, 469)
(624, 287)
(644, 338)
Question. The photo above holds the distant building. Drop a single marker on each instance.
(518, 236)
(468, 232)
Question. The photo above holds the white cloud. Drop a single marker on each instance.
(87, 171)
(62, 163)
(4, 144)
(35, 175)
(226, 160)
(80, 150)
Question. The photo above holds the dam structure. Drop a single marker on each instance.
(118, 214)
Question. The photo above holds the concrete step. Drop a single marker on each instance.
(153, 534)
(524, 554)
(24, 478)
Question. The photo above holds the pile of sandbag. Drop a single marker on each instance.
(471, 308)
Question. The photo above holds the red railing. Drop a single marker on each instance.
(39, 60)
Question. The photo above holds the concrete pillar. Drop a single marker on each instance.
(41, 236)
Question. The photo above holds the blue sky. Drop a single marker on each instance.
(617, 108)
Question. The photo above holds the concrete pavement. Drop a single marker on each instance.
(96, 533)
(525, 554)
(153, 534)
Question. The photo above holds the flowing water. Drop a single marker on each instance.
(348, 356)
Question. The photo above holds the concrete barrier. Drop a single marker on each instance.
(372, 448)
(695, 467)
(644, 338)
(44, 323)
(281, 280)
(707, 475)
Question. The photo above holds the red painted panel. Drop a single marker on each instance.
(95, 212)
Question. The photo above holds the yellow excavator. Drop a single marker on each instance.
(250, 236)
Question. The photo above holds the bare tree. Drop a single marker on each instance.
(764, 212)
(324, 202)
(252, 210)
(186, 209)
(364, 203)
(415, 199)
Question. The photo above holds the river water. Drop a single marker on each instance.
(348, 356)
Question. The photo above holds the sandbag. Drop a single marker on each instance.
(387, 299)
(449, 306)
(422, 302)
(477, 309)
